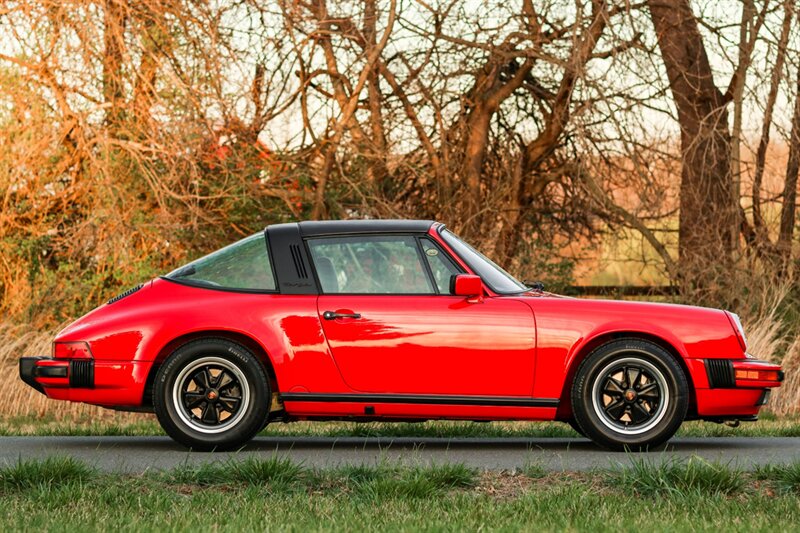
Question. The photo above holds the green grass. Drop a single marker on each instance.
(251, 471)
(786, 476)
(534, 470)
(147, 425)
(681, 478)
(275, 494)
(47, 473)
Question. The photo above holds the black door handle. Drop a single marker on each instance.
(331, 315)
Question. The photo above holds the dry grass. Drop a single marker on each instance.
(767, 339)
(786, 399)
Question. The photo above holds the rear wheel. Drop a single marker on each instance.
(629, 394)
(211, 394)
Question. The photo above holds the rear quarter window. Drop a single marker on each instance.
(243, 265)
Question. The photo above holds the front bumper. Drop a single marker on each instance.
(742, 373)
(109, 383)
(733, 388)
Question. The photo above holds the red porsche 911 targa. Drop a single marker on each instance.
(394, 320)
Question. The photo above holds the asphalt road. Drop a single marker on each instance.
(138, 454)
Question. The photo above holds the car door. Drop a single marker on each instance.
(393, 327)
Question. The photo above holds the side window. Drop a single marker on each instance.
(385, 264)
(441, 266)
(242, 265)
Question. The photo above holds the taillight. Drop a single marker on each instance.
(757, 375)
(72, 350)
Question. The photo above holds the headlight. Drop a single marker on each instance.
(737, 326)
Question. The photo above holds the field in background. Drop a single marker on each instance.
(63, 494)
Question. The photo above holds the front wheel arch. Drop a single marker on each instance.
(565, 399)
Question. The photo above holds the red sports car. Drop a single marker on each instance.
(394, 320)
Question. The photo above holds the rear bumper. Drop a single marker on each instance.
(108, 383)
(27, 372)
(41, 372)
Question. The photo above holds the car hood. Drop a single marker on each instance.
(694, 331)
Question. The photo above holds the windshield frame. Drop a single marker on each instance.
(479, 264)
(201, 285)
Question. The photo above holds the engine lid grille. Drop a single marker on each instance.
(124, 294)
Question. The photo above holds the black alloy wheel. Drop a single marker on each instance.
(212, 394)
(630, 394)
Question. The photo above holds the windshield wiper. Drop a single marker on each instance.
(188, 270)
(535, 286)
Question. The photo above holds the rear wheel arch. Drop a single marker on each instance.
(240, 338)
(565, 403)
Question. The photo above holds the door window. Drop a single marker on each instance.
(385, 264)
(442, 267)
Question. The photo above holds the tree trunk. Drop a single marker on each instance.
(485, 97)
(706, 214)
(748, 11)
(790, 187)
(761, 154)
(377, 170)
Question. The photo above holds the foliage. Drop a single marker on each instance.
(135, 136)
(328, 500)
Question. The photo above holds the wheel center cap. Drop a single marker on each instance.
(630, 395)
(212, 395)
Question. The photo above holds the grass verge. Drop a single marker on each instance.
(682, 478)
(277, 494)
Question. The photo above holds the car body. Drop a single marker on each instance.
(393, 320)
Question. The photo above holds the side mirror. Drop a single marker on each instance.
(466, 285)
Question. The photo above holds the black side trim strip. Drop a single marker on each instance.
(506, 401)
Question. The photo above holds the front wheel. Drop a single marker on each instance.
(211, 394)
(630, 394)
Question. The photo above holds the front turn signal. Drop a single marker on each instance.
(758, 375)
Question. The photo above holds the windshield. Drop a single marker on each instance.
(244, 265)
(498, 279)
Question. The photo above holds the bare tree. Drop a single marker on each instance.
(705, 209)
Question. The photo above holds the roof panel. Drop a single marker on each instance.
(314, 228)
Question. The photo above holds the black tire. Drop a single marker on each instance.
(630, 394)
(211, 394)
(574, 425)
